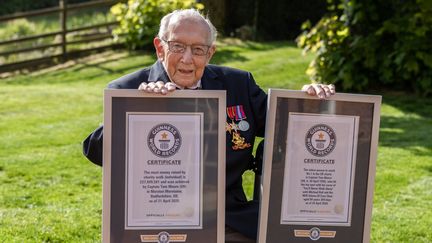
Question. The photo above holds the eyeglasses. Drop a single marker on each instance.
(178, 47)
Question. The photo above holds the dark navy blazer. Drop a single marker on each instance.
(241, 215)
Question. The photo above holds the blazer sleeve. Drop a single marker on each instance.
(93, 146)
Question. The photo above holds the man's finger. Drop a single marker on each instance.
(326, 90)
(160, 83)
(142, 86)
(170, 87)
(332, 89)
(151, 86)
(156, 90)
(319, 91)
(163, 90)
(308, 89)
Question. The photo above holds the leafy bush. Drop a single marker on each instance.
(372, 44)
(139, 19)
(17, 28)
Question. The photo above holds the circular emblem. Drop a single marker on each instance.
(164, 140)
(243, 125)
(314, 233)
(320, 140)
(163, 237)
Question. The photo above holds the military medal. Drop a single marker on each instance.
(239, 141)
(237, 113)
(243, 125)
(231, 126)
(240, 116)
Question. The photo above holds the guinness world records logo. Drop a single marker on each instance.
(164, 140)
(314, 233)
(163, 237)
(320, 140)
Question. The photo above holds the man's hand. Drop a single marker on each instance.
(322, 91)
(158, 87)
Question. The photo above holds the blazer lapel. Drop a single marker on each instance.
(210, 80)
(158, 73)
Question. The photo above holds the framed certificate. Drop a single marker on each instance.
(164, 166)
(319, 167)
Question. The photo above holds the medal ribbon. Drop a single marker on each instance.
(240, 113)
(236, 112)
(231, 112)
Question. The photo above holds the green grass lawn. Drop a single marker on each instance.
(50, 193)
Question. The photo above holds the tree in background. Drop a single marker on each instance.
(139, 19)
(372, 44)
(282, 19)
(267, 19)
(216, 11)
(246, 19)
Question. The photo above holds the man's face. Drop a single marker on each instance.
(185, 69)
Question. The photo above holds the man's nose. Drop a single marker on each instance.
(187, 55)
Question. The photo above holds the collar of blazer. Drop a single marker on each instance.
(209, 80)
(158, 73)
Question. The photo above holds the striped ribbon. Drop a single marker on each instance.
(236, 112)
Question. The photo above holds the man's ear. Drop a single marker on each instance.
(212, 50)
(160, 51)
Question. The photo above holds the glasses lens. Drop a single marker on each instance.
(178, 47)
(199, 50)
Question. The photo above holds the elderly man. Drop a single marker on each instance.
(184, 47)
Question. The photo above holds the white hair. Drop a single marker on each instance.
(191, 14)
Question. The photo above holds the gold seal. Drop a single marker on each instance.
(338, 208)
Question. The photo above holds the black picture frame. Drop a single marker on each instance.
(210, 105)
(281, 104)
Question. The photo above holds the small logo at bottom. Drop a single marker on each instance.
(315, 233)
(163, 237)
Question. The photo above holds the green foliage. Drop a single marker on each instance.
(371, 44)
(17, 28)
(139, 19)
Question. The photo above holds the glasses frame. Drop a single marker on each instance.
(170, 47)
